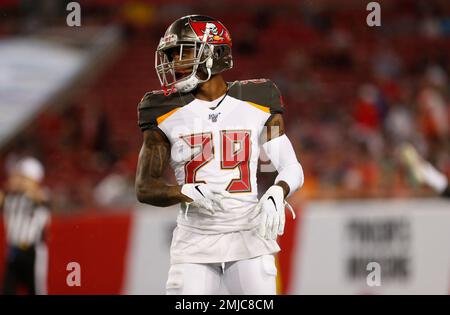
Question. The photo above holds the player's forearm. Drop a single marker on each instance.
(150, 186)
(285, 187)
(280, 151)
(159, 194)
(282, 155)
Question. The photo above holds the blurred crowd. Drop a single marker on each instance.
(353, 94)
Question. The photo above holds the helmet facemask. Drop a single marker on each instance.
(178, 65)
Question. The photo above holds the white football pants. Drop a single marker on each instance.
(255, 276)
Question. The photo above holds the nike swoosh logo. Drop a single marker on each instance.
(198, 189)
(273, 200)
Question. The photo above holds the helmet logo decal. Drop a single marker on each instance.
(218, 34)
(168, 40)
(213, 32)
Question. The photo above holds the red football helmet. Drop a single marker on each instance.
(209, 44)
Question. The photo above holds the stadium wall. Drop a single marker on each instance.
(325, 251)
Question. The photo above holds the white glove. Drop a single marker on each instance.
(206, 199)
(271, 205)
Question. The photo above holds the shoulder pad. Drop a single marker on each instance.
(262, 92)
(155, 104)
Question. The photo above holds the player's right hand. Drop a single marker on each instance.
(208, 200)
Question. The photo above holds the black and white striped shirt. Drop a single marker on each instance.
(24, 219)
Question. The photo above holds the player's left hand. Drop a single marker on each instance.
(271, 207)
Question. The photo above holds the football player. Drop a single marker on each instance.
(210, 131)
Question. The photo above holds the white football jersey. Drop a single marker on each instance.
(216, 143)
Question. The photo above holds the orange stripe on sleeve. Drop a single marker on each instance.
(161, 118)
(263, 108)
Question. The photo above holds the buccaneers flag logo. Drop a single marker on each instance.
(218, 34)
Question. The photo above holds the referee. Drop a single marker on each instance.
(26, 215)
